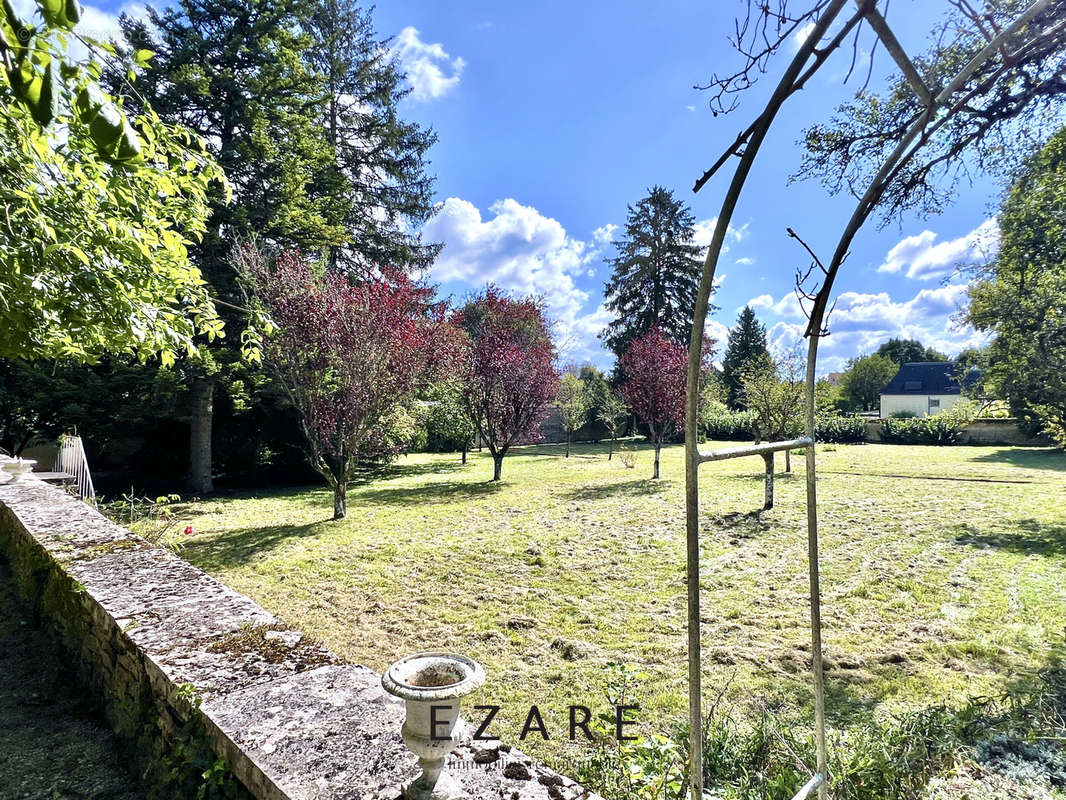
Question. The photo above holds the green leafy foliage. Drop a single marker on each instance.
(903, 350)
(574, 401)
(448, 427)
(943, 428)
(839, 428)
(864, 380)
(722, 423)
(1021, 296)
(100, 209)
(773, 391)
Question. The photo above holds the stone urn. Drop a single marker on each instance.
(432, 685)
(17, 467)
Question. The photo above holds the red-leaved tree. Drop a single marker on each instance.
(507, 372)
(653, 385)
(350, 356)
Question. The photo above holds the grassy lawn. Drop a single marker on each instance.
(944, 574)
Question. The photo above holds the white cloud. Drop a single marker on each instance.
(787, 306)
(604, 235)
(745, 262)
(922, 257)
(525, 252)
(861, 321)
(720, 333)
(431, 72)
(704, 232)
(801, 36)
(691, 108)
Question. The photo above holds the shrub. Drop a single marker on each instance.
(839, 429)
(943, 428)
(902, 415)
(730, 425)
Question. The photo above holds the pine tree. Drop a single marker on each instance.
(379, 158)
(236, 73)
(745, 352)
(656, 273)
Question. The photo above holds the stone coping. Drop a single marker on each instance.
(291, 719)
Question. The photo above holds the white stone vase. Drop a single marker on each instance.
(432, 685)
(18, 467)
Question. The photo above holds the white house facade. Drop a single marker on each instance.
(922, 388)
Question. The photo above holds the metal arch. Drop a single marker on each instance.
(754, 136)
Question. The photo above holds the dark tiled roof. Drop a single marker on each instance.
(925, 377)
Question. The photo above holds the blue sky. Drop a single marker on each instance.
(552, 117)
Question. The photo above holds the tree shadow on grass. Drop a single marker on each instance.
(237, 546)
(1028, 537)
(639, 487)
(441, 492)
(385, 472)
(737, 525)
(898, 476)
(587, 450)
(1028, 457)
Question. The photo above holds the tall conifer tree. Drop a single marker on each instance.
(656, 273)
(380, 159)
(745, 352)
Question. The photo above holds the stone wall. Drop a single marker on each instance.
(198, 680)
(980, 431)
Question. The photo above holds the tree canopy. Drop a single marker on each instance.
(654, 385)
(351, 357)
(1020, 297)
(574, 400)
(101, 209)
(902, 351)
(864, 379)
(507, 369)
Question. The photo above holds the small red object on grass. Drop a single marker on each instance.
(188, 530)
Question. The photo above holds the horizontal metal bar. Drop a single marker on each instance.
(754, 449)
(815, 781)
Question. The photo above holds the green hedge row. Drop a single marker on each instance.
(740, 426)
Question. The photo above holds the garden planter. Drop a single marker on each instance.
(18, 467)
(432, 685)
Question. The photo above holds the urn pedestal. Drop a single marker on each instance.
(432, 685)
(17, 467)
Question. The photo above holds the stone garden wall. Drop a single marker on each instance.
(198, 680)
(980, 431)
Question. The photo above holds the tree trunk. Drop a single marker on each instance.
(497, 466)
(788, 461)
(568, 444)
(658, 447)
(340, 499)
(464, 453)
(202, 394)
(610, 449)
(768, 502)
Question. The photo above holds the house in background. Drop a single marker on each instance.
(922, 388)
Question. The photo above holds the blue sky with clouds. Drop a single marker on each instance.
(554, 116)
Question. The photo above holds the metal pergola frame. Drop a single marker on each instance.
(938, 107)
